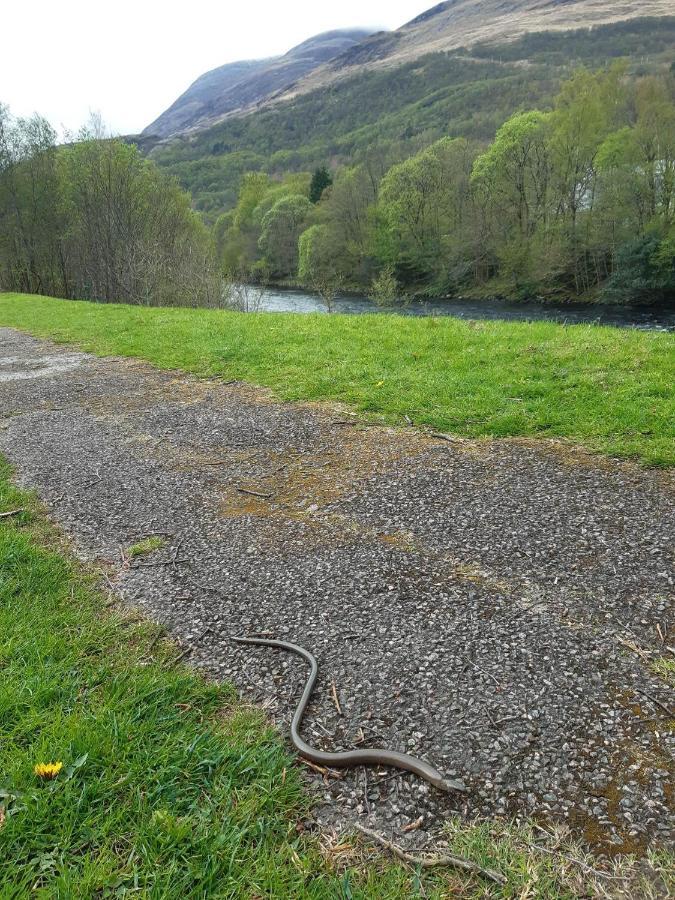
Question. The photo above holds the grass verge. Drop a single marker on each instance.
(170, 787)
(609, 389)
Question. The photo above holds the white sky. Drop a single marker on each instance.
(130, 59)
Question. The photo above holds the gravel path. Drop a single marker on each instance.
(494, 607)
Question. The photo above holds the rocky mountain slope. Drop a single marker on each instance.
(240, 85)
(455, 24)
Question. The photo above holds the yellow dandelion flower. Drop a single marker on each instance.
(48, 770)
(379, 384)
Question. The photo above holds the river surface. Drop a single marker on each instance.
(276, 300)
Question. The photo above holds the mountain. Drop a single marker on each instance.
(371, 103)
(240, 85)
(458, 24)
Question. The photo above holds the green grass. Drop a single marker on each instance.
(608, 389)
(146, 546)
(170, 787)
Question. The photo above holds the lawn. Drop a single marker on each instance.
(607, 389)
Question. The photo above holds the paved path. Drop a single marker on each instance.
(490, 606)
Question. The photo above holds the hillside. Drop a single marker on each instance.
(240, 85)
(462, 23)
(468, 93)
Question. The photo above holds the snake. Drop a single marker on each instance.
(348, 758)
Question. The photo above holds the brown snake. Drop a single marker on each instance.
(347, 758)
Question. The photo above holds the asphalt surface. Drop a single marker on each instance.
(495, 607)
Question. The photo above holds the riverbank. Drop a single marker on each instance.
(607, 389)
(283, 298)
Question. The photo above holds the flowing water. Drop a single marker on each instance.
(276, 300)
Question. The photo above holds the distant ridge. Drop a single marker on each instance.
(462, 23)
(240, 85)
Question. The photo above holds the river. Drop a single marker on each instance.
(276, 300)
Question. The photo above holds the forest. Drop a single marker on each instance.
(94, 220)
(570, 200)
(468, 93)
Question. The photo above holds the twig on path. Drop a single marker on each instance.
(356, 422)
(482, 671)
(429, 862)
(322, 770)
(450, 438)
(255, 493)
(643, 654)
(413, 826)
(12, 512)
(663, 706)
(335, 698)
(597, 873)
(180, 657)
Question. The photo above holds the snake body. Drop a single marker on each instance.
(348, 758)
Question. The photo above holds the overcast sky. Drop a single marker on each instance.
(129, 59)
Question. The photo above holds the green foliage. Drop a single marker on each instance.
(544, 209)
(423, 201)
(467, 94)
(645, 272)
(644, 38)
(280, 229)
(96, 220)
(384, 289)
(321, 179)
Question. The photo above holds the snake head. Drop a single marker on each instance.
(447, 784)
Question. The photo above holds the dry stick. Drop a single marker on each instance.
(635, 649)
(181, 656)
(335, 698)
(577, 862)
(663, 706)
(12, 512)
(322, 770)
(450, 438)
(457, 862)
(255, 493)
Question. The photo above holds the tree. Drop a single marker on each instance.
(31, 250)
(645, 272)
(587, 109)
(423, 208)
(511, 184)
(281, 228)
(317, 266)
(321, 179)
(95, 220)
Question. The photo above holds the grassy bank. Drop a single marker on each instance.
(608, 389)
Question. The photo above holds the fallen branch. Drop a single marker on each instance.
(597, 873)
(335, 698)
(255, 493)
(450, 438)
(322, 770)
(429, 862)
(663, 706)
(180, 657)
(12, 512)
